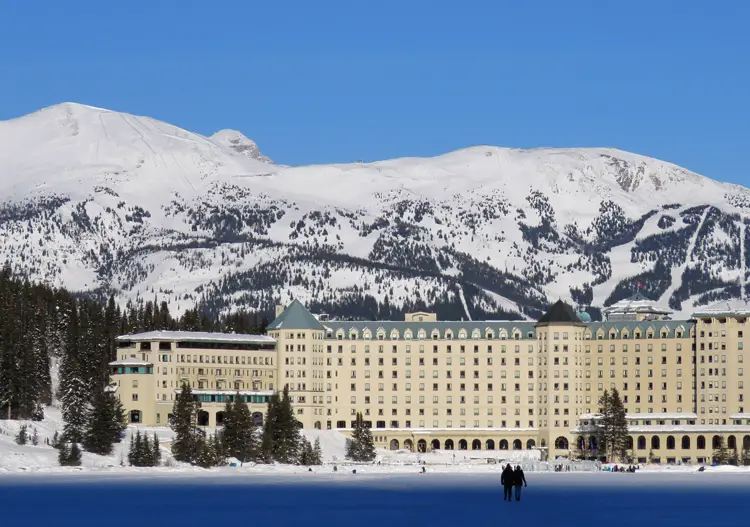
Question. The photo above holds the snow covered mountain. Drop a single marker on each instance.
(105, 201)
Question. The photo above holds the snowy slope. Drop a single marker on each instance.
(96, 199)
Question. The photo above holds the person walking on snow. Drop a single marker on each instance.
(506, 480)
(518, 479)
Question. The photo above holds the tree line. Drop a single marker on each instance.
(279, 440)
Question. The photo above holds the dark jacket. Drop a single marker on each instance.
(507, 478)
(518, 477)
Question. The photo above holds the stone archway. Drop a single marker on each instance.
(421, 445)
(517, 445)
(449, 444)
(136, 416)
(394, 444)
(409, 445)
(203, 418)
(476, 445)
(220, 418)
(462, 444)
(530, 444)
(489, 445)
(503, 445)
(435, 444)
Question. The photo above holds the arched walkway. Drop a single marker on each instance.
(409, 445)
(561, 443)
(593, 444)
(135, 416)
(685, 443)
(463, 445)
(517, 444)
(530, 444)
(421, 445)
(449, 444)
(258, 419)
(670, 443)
(435, 445)
(746, 443)
(503, 444)
(202, 418)
(641, 442)
(394, 444)
(489, 445)
(476, 445)
(629, 443)
(700, 443)
(716, 442)
(731, 442)
(581, 443)
(219, 418)
(317, 425)
(655, 443)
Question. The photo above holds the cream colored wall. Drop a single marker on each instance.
(321, 371)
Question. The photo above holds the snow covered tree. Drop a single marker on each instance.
(69, 456)
(239, 435)
(105, 424)
(35, 438)
(22, 436)
(74, 392)
(155, 452)
(361, 446)
(317, 453)
(185, 426)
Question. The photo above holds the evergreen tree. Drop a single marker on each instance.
(745, 457)
(238, 435)
(612, 426)
(22, 436)
(155, 452)
(63, 454)
(185, 425)
(134, 450)
(721, 452)
(361, 446)
(103, 428)
(269, 431)
(317, 453)
(74, 457)
(286, 437)
(74, 393)
(35, 438)
(56, 443)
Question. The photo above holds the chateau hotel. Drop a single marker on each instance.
(426, 384)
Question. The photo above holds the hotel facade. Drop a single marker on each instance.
(425, 384)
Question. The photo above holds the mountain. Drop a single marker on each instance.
(110, 202)
(239, 143)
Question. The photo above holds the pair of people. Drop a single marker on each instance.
(512, 478)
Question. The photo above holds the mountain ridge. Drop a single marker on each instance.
(102, 200)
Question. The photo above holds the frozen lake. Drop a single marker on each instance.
(684, 500)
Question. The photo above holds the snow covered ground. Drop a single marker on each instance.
(42, 459)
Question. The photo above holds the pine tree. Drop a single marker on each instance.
(238, 435)
(612, 426)
(63, 454)
(74, 457)
(134, 450)
(269, 430)
(35, 438)
(56, 443)
(286, 437)
(22, 436)
(721, 452)
(156, 452)
(185, 425)
(317, 453)
(73, 385)
(361, 446)
(103, 430)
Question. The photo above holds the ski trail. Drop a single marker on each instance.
(463, 301)
(677, 271)
(742, 258)
(183, 173)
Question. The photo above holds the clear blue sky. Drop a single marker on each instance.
(329, 81)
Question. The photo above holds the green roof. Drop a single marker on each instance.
(296, 316)
(525, 330)
(643, 325)
(560, 313)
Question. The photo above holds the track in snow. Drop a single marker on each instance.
(463, 301)
(677, 271)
